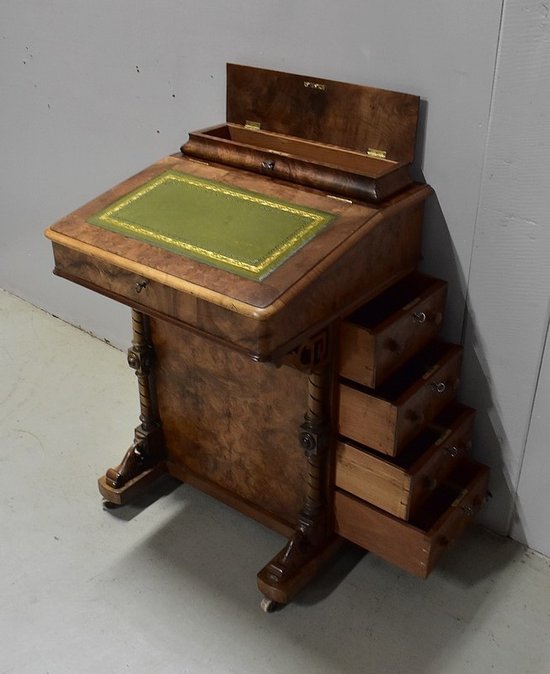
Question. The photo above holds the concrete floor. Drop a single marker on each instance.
(168, 585)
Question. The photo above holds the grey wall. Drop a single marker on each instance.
(94, 91)
(509, 284)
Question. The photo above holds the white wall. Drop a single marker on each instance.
(95, 91)
(77, 116)
(509, 285)
(531, 516)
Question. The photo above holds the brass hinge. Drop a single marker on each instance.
(377, 154)
(255, 126)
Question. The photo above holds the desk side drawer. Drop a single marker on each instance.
(390, 417)
(416, 546)
(400, 487)
(383, 334)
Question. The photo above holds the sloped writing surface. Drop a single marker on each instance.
(244, 232)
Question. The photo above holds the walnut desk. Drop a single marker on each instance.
(240, 258)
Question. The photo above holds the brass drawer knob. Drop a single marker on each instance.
(452, 451)
(419, 317)
(439, 386)
(140, 285)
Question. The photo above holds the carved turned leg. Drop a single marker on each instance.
(313, 542)
(143, 461)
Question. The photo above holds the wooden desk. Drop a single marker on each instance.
(239, 377)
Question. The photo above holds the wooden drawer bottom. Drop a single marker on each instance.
(415, 546)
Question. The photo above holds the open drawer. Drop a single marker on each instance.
(383, 334)
(415, 546)
(402, 485)
(390, 417)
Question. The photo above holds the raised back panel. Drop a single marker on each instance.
(347, 115)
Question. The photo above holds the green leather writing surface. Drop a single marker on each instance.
(244, 232)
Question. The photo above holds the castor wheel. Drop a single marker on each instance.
(268, 605)
(109, 505)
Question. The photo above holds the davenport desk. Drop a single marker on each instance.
(284, 345)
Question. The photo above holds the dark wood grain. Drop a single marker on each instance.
(346, 139)
(232, 421)
(347, 115)
(367, 182)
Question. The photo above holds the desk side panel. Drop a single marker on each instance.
(230, 421)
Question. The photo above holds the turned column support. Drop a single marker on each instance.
(143, 460)
(312, 542)
(314, 437)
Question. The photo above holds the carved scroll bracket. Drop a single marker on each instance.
(311, 353)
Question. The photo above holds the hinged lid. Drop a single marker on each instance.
(368, 120)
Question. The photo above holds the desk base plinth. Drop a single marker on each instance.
(280, 588)
(131, 489)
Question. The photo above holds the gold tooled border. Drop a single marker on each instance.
(316, 221)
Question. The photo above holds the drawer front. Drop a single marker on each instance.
(401, 488)
(387, 425)
(367, 420)
(372, 478)
(434, 467)
(415, 549)
(437, 390)
(373, 345)
(125, 286)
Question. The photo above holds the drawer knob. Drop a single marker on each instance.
(453, 451)
(439, 386)
(140, 285)
(469, 510)
(419, 317)
(268, 165)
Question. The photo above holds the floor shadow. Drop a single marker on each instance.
(163, 486)
(331, 576)
(360, 615)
